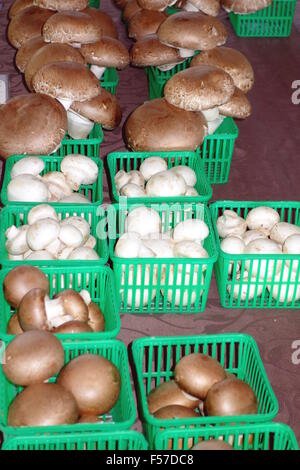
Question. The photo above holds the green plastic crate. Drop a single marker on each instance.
(172, 10)
(263, 436)
(289, 212)
(120, 441)
(274, 21)
(110, 80)
(97, 280)
(89, 147)
(16, 215)
(140, 282)
(132, 161)
(155, 359)
(121, 417)
(217, 150)
(94, 192)
(94, 3)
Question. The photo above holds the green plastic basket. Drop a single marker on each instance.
(142, 282)
(122, 440)
(227, 285)
(263, 436)
(132, 161)
(97, 280)
(155, 359)
(94, 3)
(121, 417)
(89, 147)
(16, 215)
(94, 192)
(172, 10)
(217, 150)
(110, 80)
(274, 21)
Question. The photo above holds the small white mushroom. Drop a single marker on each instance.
(231, 224)
(16, 243)
(128, 245)
(69, 235)
(136, 177)
(121, 178)
(166, 184)
(143, 220)
(286, 286)
(180, 295)
(190, 249)
(291, 246)
(263, 268)
(161, 248)
(65, 252)
(191, 191)
(91, 242)
(281, 231)
(27, 166)
(42, 233)
(42, 211)
(191, 229)
(146, 252)
(235, 246)
(140, 278)
(187, 174)
(58, 186)
(151, 166)
(251, 235)
(55, 247)
(245, 289)
(75, 198)
(80, 223)
(40, 255)
(79, 170)
(27, 188)
(84, 253)
(262, 218)
(15, 257)
(132, 190)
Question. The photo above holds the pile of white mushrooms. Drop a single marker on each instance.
(27, 184)
(261, 233)
(144, 238)
(154, 179)
(45, 237)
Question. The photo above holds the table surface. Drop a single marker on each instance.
(265, 167)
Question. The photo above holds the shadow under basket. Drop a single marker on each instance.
(156, 357)
(89, 147)
(272, 22)
(267, 286)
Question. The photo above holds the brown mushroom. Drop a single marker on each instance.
(130, 9)
(72, 327)
(13, 326)
(149, 51)
(96, 318)
(212, 444)
(33, 357)
(26, 52)
(19, 5)
(145, 22)
(245, 6)
(20, 280)
(27, 24)
(65, 5)
(175, 412)
(169, 393)
(105, 22)
(238, 106)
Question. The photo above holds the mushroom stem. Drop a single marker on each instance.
(58, 321)
(79, 127)
(65, 102)
(55, 312)
(188, 6)
(86, 296)
(165, 68)
(185, 53)
(213, 125)
(97, 71)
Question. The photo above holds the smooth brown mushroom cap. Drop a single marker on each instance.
(72, 27)
(150, 51)
(27, 50)
(145, 22)
(130, 9)
(108, 52)
(94, 382)
(33, 124)
(72, 327)
(245, 6)
(213, 444)
(62, 5)
(192, 30)
(13, 326)
(68, 80)
(105, 22)
(166, 394)
(103, 109)
(158, 126)
(19, 5)
(199, 88)
(230, 60)
(21, 280)
(175, 412)
(96, 318)
(157, 5)
(33, 357)
(209, 7)
(73, 304)
(43, 405)
(32, 311)
(48, 54)
(26, 25)
(237, 107)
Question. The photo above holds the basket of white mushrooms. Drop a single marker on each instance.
(259, 259)
(162, 256)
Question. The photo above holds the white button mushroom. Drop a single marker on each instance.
(146, 252)
(69, 235)
(263, 268)
(128, 245)
(55, 247)
(235, 246)
(91, 242)
(132, 190)
(58, 186)
(136, 177)
(191, 191)
(281, 231)
(262, 218)
(166, 184)
(291, 246)
(40, 255)
(161, 248)
(231, 224)
(190, 249)
(151, 166)
(27, 166)
(191, 229)
(75, 198)
(121, 178)
(79, 170)
(80, 223)
(143, 220)
(251, 235)
(280, 291)
(187, 174)
(84, 253)
(140, 278)
(16, 243)
(42, 233)
(27, 188)
(42, 211)
(245, 289)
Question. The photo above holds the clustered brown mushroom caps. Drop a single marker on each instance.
(86, 387)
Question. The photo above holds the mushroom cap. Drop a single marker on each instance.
(212, 444)
(209, 7)
(103, 109)
(230, 60)
(73, 304)
(199, 88)
(145, 22)
(130, 9)
(48, 54)
(175, 412)
(105, 22)
(72, 27)
(120, 3)
(13, 326)
(27, 50)
(32, 311)
(65, 5)
(33, 357)
(96, 318)
(26, 25)
(245, 6)
(238, 106)
(158, 126)
(43, 405)
(94, 381)
(192, 30)
(169, 393)
(73, 327)
(107, 52)
(21, 280)
(90, 419)
(66, 80)
(196, 373)
(19, 5)
(149, 51)
(157, 5)
(32, 124)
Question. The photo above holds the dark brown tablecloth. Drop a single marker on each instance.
(265, 166)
